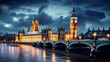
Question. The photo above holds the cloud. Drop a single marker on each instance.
(95, 14)
(43, 7)
(90, 13)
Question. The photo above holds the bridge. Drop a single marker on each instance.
(90, 45)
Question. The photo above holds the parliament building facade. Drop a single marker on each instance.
(46, 34)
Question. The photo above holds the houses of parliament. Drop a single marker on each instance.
(47, 34)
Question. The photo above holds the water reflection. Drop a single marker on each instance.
(68, 59)
(26, 53)
(44, 55)
(53, 57)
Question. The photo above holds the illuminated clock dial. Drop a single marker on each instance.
(75, 21)
(71, 21)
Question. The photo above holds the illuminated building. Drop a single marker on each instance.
(61, 33)
(47, 34)
(73, 26)
(100, 33)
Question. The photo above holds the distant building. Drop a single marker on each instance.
(100, 33)
(2, 34)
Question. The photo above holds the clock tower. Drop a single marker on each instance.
(73, 26)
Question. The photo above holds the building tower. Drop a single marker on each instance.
(28, 29)
(73, 26)
(33, 26)
(36, 25)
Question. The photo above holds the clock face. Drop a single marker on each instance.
(75, 21)
(71, 21)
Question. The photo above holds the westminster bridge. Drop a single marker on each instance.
(89, 45)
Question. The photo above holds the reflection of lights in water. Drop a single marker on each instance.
(33, 52)
(11, 51)
(44, 55)
(53, 57)
(5, 44)
(68, 59)
(2, 48)
(37, 50)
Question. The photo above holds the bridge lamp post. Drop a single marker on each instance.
(94, 34)
(93, 49)
(80, 37)
(108, 35)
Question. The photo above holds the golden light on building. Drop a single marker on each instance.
(68, 37)
(80, 37)
(53, 38)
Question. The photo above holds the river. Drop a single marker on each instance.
(28, 53)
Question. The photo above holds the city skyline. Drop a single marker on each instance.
(16, 15)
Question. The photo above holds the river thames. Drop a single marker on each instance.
(28, 53)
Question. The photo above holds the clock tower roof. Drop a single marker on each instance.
(73, 13)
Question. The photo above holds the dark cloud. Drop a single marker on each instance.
(44, 19)
(95, 14)
(17, 3)
(89, 12)
(42, 8)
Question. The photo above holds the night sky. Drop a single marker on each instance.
(17, 14)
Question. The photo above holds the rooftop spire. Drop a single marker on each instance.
(35, 21)
(103, 29)
(88, 29)
(32, 21)
(109, 29)
(28, 29)
(73, 13)
(98, 29)
(93, 29)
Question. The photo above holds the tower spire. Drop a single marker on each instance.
(98, 29)
(35, 21)
(73, 13)
(33, 26)
(103, 29)
(32, 21)
(88, 29)
(28, 29)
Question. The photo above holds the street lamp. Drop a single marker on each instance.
(94, 34)
(80, 37)
(108, 35)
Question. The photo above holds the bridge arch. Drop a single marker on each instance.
(61, 43)
(100, 45)
(82, 48)
(40, 44)
(49, 45)
(82, 43)
(60, 46)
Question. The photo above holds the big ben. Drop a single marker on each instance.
(73, 26)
